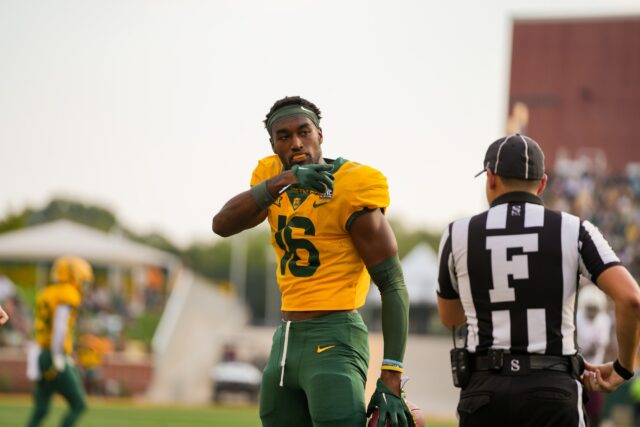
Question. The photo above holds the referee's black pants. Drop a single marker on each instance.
(540, 398)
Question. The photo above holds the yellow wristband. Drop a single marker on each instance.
(391, 368)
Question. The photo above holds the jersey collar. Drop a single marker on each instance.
(337, 163)
(517, 196)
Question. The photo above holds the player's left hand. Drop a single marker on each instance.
(390, 406)
(58, 365)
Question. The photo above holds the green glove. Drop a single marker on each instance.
(314, 177)
(390, 407)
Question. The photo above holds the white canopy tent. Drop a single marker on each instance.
(420, 268)
(42, 243)
(47, 241)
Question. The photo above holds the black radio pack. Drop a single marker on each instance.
(460, 367)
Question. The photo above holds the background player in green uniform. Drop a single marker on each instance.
(55, 316)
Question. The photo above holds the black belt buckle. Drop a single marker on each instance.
(495, 359)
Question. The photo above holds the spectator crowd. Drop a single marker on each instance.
(610, 201)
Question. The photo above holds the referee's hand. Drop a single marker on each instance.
(602, 378)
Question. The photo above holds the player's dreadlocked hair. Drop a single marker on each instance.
(291, 100)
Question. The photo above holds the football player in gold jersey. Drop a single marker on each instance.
(330, 237)
(55, 317)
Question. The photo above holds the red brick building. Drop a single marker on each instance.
(575, 87)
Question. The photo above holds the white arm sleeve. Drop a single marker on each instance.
(60, 327)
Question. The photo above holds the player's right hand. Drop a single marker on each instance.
(314, 177)
(391, 408)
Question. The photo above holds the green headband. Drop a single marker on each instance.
(292, 110)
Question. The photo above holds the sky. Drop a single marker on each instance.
(154, 109)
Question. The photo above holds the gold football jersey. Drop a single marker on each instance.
(319, 268)
(47, 301)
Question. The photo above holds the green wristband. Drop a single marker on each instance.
(261, 195)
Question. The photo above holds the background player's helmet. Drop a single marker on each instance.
(73, 270)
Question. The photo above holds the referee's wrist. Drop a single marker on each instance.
(622, 371)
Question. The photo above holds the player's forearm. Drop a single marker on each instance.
(248, 209)
(388, 276)
(238, 214)
(395, 322)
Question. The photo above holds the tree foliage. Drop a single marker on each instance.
(93, 216)
(410, 238)
(210, 258)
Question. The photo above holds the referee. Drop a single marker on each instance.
(511, 274)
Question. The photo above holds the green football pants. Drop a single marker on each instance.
(322, 381)
(67, 383)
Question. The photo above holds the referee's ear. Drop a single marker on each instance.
(491, 179)
(543, 184)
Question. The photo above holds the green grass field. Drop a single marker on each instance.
(14, 412)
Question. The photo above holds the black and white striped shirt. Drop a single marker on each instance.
(515, 268)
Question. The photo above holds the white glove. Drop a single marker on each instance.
(59, 362)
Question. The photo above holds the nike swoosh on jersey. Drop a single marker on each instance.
(321, 349)
(316, 204)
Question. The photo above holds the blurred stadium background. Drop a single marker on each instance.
(173, 336)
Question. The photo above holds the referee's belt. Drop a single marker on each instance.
(522, 364)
